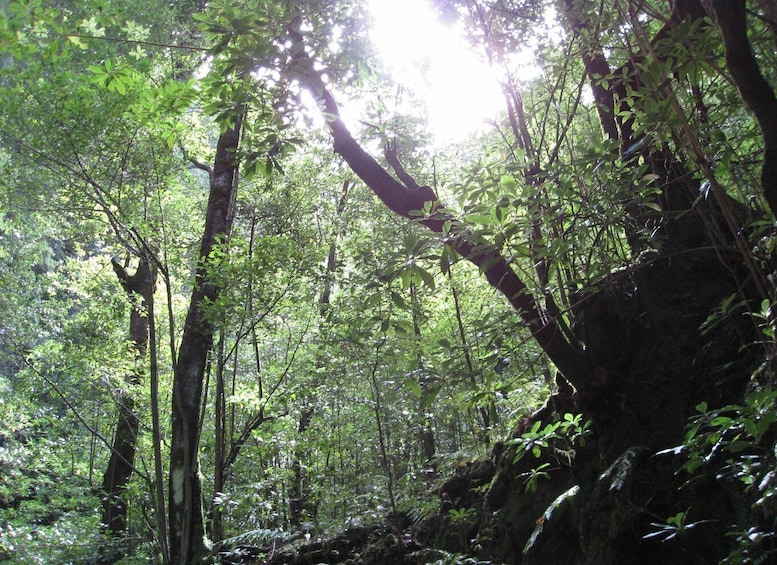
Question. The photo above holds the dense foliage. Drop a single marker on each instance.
(215, 336)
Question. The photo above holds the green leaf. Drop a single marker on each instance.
(483, 219)
(414, 387)
(399, 301)
(75, 40)
(721, 421)
(508, 182)
(426, 277)
(751, 428)
(371, 301)
(92, 27)
(429, 395)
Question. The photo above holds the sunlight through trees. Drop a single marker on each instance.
(387, 281)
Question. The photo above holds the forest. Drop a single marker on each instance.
(262, 302)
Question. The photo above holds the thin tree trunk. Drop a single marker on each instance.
(298, 494)
(156, 438)
(377, 404)
(484, 416)
(220, 441)
(428, 444)
(140, 289)
(187, 532)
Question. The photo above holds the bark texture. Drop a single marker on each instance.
(730, 16)
(187, 533)
(140, 289)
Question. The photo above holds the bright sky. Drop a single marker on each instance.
(436, 63)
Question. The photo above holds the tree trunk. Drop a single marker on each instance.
(484, 416)
(187, 532)
(730, 16)
(140, 291)
(408, 203)
(298, 494)
(220, 443)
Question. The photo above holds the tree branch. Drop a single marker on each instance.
(407, 203)
(731, 18)
(390, 153)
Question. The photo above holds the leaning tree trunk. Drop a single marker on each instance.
(187, 532)
(646, 364)
(140, 290)
(408, 201)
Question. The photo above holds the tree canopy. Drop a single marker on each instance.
(253, 300)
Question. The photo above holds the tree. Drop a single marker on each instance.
(677, 219)
(410, 200)
(187, 532)
(124, 190)
(140, 291)
(615, 208)
(757, 93)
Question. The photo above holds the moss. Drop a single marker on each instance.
(177, 484)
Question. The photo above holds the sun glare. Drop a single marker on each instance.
(460, 91)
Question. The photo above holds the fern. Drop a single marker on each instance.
(619, 471)
(560, 499)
